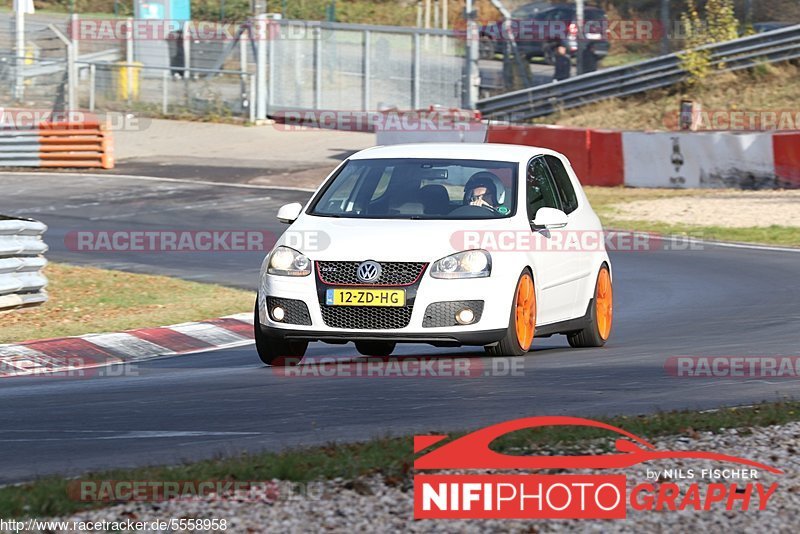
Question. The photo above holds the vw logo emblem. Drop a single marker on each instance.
(369, 271)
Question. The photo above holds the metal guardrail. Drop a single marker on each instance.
(664, 71)
(22, 249)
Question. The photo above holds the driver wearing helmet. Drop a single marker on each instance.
(481, 191)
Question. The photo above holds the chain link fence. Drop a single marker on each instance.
(164, 91)
(351, 67)
(179, 70)
(35, 76)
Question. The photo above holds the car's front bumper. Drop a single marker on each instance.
(495, 292)
(451, 339)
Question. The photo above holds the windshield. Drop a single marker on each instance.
(528, 10)
(420, 189)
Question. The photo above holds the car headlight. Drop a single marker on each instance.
(285, 261)
(467, 264)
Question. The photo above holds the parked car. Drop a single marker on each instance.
(413, 255)
(538, 28)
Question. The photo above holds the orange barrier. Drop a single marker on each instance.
(87, 144)
(87, 124)
(84, 144)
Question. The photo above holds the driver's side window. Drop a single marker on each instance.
(539, 189)
(340, 198)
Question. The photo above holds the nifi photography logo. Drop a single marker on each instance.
(573, 496)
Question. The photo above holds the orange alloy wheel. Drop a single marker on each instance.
(604, 303)
(525, 311)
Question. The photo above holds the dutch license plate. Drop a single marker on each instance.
(365, 297)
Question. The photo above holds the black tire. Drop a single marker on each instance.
(590, 335)
(274, 351)
(509, 345)
(375, 348)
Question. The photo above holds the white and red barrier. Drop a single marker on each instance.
(596, 155)
(698, 160)
(786, 155)
(668, 159)
(752, 160)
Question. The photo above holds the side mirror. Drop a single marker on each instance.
(288, 213)
(550, 219)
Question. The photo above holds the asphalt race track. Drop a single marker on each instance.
(715, 301)
(109, 203)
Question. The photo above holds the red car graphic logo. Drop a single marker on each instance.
(472, 450)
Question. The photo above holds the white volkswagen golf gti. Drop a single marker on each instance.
(445, 244)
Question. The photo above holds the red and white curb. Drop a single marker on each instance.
(70, 354)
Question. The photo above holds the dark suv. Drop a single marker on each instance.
(539, 27)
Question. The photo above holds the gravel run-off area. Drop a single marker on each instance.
(732, 209)
(378, 505)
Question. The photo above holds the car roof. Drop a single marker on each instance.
(479, 151)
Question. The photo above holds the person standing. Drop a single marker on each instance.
(562, 64)
(590, 58)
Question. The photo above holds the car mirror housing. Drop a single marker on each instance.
(288, 213)
(550, 219)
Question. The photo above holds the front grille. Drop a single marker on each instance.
(366, 318)
(392, 273)
(442, 314)
(296, 310)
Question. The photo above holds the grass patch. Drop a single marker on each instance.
(766, 87)
(392, 457)
(606, 202)
(85, 300)
(785, 236)
(617, 59)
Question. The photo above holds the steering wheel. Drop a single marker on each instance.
(469, 211)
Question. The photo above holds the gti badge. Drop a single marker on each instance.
(369, 271)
